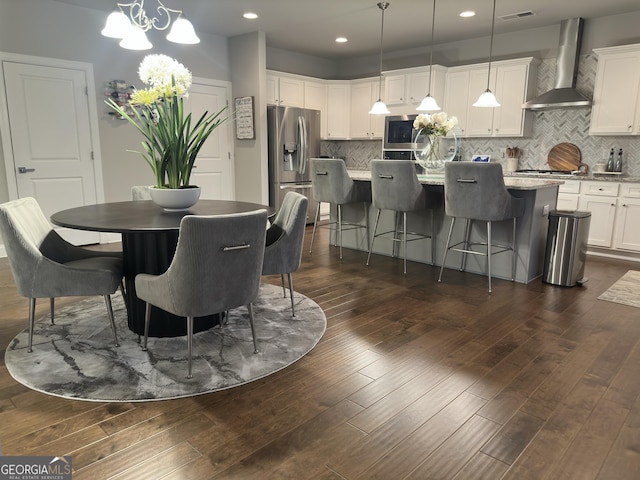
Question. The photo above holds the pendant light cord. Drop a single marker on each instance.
(382, 6)
(433, 26)
(493, 20)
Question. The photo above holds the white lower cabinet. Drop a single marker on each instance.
(603, 214)
(627, 225)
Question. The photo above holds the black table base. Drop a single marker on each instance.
(152, 253)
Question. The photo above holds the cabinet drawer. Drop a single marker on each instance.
(569, 187)
(599, 188)
(630, 190)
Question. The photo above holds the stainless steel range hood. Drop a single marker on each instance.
(564, 93)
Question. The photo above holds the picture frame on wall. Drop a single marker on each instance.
(244, 118)
(481, 158)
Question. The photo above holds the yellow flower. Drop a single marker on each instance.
(145, 97)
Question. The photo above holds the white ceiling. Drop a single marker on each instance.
(311, 26)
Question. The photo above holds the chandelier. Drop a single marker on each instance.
(131, 29)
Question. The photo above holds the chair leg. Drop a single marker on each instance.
(340, 229)
(147, 319)
(284, 291)
(396, 242)
(446, 248)
(513, 251)
(293, 311)
(366, 225)
(404, 240)
(123, 291)
(465, 245)
(107, 301)
(32, 319)
(373, 238)
(433, 237)
(189, 345)
(253, 328)
(52, 307)
(315, 225)
(489, 253)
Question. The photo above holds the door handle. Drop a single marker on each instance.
(25, 170)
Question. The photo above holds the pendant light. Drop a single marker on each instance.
(379, 108)
(429, 103)
(488, 99)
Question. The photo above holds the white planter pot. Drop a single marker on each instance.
(175, 200)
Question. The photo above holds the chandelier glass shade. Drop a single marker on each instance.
(380, 108)
(487, 98)
(131, 27)
(429, 103)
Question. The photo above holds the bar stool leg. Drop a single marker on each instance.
(433, 243)
(446, 248)
(373, 239)
(465, 245)
(489, 253)
(396, 240)
(513, 251)
(404, 240)
(315, 225)
(366, 223)
(340, 228)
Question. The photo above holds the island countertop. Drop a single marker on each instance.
(438, 179)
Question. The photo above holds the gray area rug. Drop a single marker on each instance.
(75, 358)
(625, 291)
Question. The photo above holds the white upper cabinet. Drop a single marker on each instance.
(285, 90)
(456, 97)
(405, 89)
(362, 124)
(512, 82)
(315, 98)
(616, 96)
(395, 89)
(338, 109)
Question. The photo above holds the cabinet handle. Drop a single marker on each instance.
(600, 189)
(624, 204)
(629, 128)
(613, 204)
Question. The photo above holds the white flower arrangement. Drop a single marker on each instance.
(435, 124)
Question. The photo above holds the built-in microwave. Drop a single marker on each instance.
(398, 132)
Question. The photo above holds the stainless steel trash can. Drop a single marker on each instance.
(566, 248)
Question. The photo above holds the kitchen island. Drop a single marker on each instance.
(540, 196)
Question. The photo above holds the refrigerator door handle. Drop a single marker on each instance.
(304, 149)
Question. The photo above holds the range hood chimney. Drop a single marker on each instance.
(564, 93)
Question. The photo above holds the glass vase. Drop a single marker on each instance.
(432, 151)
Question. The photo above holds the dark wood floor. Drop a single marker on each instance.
(412, 379)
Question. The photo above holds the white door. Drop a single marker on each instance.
(213, 171)
(50, 134)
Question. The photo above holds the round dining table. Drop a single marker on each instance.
(149, 239)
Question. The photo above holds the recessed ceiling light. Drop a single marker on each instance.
(468, 13)
(341, 40)
(250, 15)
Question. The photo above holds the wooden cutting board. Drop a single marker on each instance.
(565, 157)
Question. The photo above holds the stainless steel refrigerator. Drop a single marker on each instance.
(294, 138)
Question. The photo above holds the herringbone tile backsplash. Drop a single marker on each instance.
(550, 127)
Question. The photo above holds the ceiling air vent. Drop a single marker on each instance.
(513, 16)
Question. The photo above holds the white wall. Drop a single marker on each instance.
(46, 28)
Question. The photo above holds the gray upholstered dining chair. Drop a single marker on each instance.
(216, 267)
(285, 236)
(140, 192)
(44, 265)
(476, 191)
(395, 186)
(332, 184)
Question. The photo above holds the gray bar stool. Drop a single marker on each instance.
(332, 184)
(476, 191)
(395, 186)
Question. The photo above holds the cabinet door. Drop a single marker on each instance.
(480, 120)
(291, 92)
(510, 90)
(603, 211)
(456, 98)
(315, 98)
(394, 90)
(567, 202)
(338, 111)
(360, 122)
(615, 96)
(628, 229)
(272, 90)
(418, 87)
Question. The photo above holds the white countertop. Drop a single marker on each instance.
(514, 183)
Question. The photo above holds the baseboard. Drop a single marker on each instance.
(615, 254)
(3, 252)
